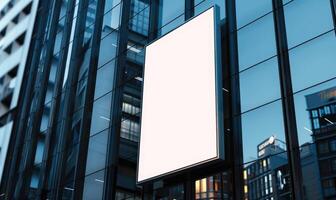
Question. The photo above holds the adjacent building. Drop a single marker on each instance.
(269, 176)
(322, 110)
(16, 26)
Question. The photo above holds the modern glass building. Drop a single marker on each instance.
(77, 127)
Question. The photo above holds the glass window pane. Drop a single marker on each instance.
(45, 117)
(112, 15)
(248, 11)
(268, 177)
(108, 46)
(263, 132)
(315, 111)
(109, 4)
(171, 14)
(256, 42)
(96, 152)
(306, 19)
(310, 100)
(101, 114)
(202, 5)
(139, 15)
(259, 85)
(94, 186)
(313, 62)
(104, 80)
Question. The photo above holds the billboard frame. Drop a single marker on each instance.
(220, 143)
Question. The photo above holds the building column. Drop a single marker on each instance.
(292, 143)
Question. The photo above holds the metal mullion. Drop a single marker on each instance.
(237, 144)
(333, 12)
(88, 104)
(153, 20)
(116, 107)
(147, 189)
(65, 133)
(288, 107)
(221, 185)
(23, 192)
(189, 9)
(58, 178)
(55, 104)
(189, 187)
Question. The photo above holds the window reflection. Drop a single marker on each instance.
(266, 171)
(248, 11)
(110, 4)
(112, 14)
(306, 19)
(202, 5)
(94, 186)
(259, 85)
(316, 116)
(256, 42)
(259, 125)
(101, 114)
(171, 14)
(268, 177)
(313, 62)
(139, 15)
(104, 80)
(89, 22)
(96, 152)
(108, 47)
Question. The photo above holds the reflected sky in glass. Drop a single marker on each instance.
(256, 42)
(306, 19)
(171, 14)
(248, 11)
(260, 124)
(302, 116)
(202, 5)
(311, 64)
(259, 85)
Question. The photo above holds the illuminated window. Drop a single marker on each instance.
(264, 163)
(203, 185)
(209, 188)
(197, 186)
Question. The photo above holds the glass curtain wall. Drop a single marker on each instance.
(311, 41)
(266, 171)
(80, 122)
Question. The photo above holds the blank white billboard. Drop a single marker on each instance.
(182, 112)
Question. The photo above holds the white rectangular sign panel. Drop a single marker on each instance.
(182, 112)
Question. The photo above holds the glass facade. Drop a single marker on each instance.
(77, 127)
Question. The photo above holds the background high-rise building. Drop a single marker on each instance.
(322, 110)
(16, 26)
(77, 122)
(269, 176)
